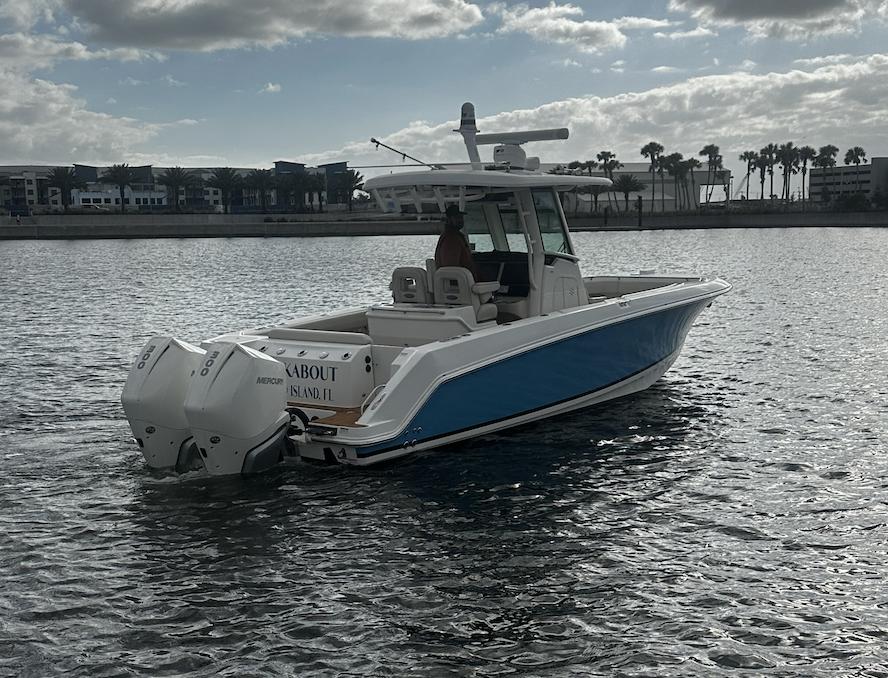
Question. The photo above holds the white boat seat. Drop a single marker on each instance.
(410, 286)
(431, 267)
(455, 286)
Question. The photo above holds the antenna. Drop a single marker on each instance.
(511, 140)
(404, 156)
(469, 130)
(518, 138)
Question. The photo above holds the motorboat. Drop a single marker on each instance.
(448, 358)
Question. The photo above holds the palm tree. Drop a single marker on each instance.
(761, 163)
(826, 158)
(174, 179)
(66, 180)
(806, 154)
(710, 152)
(693, 165)
(261, 180)
(749, 157)
(120, 176)
(788, 157)
(652, 150)
(295, 183)
(588, 166)
(670, 164)
(609, 163)
(4, 181)
(626, 184)
(717, 175)
(194, 189)
(827, 155)
(227, 181)
(724, 178)
(351, 181)
(856, 156)
(661, 172)
(604, 158)
(316, 185)
(769, 153)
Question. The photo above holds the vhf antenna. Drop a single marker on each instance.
(404, 156)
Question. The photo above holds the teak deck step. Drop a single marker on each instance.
(342, 416)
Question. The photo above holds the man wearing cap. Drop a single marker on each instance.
(453, 248)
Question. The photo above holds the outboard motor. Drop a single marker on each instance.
(154, 396)
(236, 408)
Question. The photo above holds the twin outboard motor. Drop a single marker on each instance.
(236, 408)
(153, 396)
(226, 404)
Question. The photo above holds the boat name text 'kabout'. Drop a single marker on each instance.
(313, 372)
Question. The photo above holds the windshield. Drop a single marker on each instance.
(551, 229)
(492, 224)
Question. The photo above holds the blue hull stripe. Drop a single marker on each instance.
(564, 370)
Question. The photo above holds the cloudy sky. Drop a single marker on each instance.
(236, 82)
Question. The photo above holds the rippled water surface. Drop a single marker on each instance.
(729, 520)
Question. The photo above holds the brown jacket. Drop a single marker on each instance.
(453, 250)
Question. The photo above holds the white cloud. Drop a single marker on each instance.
(789, 19)
(28, 52)
(665, 69)
(698, 32)
(170, 81)
(737, 111)
(270, 88)
(824, 60)
(46, 122)
(43, 122)
(130, 81)
(560, 24)
(227, 24)
(636, 23)
(564, 25)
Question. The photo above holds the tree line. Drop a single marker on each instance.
(290, 188)
(790, 158)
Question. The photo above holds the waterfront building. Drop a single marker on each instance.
(829, 183)
(25, 189)
(22, 186)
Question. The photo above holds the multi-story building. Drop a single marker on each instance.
(829, 183)
(142, 192)
(25, 189)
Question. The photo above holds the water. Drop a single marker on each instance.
(731, 517)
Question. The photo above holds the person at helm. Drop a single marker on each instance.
(453, 248)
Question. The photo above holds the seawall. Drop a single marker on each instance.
(75, 227)
(78, 227)
(711, 220)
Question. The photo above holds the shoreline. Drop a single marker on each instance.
(137, 226)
